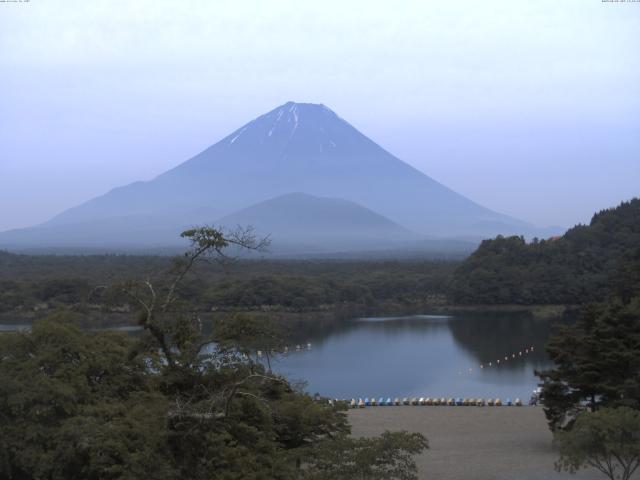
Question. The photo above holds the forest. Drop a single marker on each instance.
(586, 264)
(33, 286)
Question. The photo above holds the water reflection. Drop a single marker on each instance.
(417, 355)
(13, 327)
(421, 355)
(132, 329)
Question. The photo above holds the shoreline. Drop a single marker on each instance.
(337, 313)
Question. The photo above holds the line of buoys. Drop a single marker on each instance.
(286, 349)
(415, 401)
(506, 358)
(499, 361)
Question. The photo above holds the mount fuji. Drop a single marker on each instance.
(299, 148)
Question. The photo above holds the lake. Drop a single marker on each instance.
(9, 327)
(461, 355)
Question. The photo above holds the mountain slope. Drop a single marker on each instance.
(304, 148)
(322, 224)
(296, 147)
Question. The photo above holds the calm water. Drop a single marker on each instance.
(13, 327)
(8, 327)
(422, 355)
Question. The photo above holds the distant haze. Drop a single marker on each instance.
(299, 173)
(531, 109)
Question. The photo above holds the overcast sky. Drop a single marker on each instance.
(529, 108)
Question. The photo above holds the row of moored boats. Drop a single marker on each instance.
(388, 402)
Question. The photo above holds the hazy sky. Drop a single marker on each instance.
(531, 108)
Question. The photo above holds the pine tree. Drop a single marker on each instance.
(597, 363)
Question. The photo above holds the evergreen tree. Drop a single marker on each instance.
(597, 363)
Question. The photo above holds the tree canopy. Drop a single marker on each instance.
(584, 265)
(597, 362)
(607, 440)
(177, 403)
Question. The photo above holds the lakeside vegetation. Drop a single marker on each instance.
(178, 402)
(33, 286)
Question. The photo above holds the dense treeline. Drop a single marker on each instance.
(300, 293)
(583, 265)
(596, 362)
(38, 284)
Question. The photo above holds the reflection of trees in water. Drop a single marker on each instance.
(317, 331)
(486, 336)
(489, 337)
(393, 327)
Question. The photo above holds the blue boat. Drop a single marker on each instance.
(508, 402)
(381, 402)
(389, 402)
(367, 402)
(458, 401)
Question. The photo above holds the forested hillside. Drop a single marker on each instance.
(33, 286)
(585, 264)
